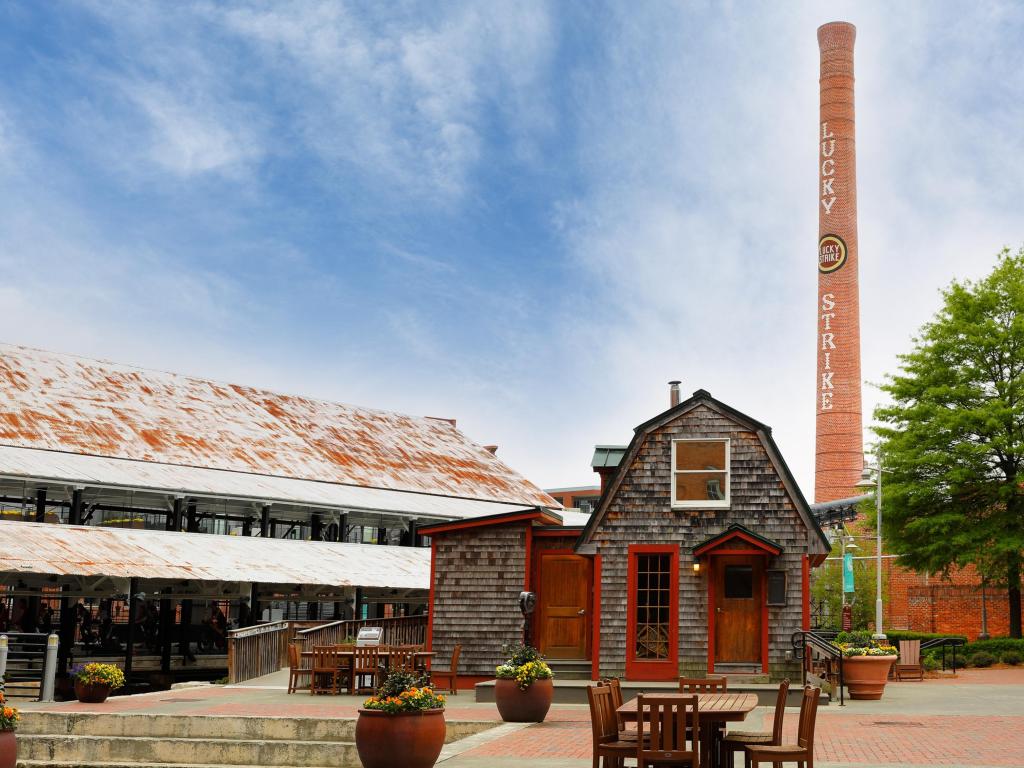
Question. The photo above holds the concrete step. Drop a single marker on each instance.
(206, 727)
(179, 751)
(570, 669)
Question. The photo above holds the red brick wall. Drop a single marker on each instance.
(839, 446)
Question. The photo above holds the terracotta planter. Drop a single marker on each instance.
(91, 694)
(866, 675)
(518, 706)
(409, 739)
(8, 749)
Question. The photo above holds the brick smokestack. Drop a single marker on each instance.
(839, 452)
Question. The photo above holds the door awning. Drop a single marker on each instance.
(737, 540)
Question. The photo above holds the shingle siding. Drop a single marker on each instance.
(641, 513)
(478, 575)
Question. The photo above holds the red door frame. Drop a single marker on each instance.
(534, 619)
(640, 669)
(713, 570)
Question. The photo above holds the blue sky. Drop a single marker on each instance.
(528, 216)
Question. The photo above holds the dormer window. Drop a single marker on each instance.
(700, 473)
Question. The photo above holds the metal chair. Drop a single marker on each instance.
(671, 721)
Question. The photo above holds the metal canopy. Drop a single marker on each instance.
(118, 553)
(65, 417)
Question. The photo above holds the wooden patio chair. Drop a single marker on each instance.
(735, 741)
(703, 685)
(803, 751)
(626, 733)
(447, 678)
(327, 665)
(296, 672)
(671, 722)
(605, 728)
(908, 665)
(403, 659)
(365, 667)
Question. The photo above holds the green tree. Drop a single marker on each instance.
(953, 436)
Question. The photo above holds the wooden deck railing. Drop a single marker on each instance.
(400, 630)
(261, 649)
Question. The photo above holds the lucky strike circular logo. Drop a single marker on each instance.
(831, 253)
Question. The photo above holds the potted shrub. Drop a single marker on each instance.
(866, 664)
(8, 722)
(94, 682)
(402, 724)
(524, 687)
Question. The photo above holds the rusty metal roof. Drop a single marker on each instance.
(73, 550)
(56, 402)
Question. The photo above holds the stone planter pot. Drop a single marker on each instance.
(866, 675)
(91, 694)
(518, 706)
(408, 739)
(8, 749)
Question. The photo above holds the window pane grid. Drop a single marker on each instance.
(653, 609)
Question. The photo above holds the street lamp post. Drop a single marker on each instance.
(865, 482)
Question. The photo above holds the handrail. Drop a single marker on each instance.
(261, 649)
(944, 642)
(819, 640)
(398, 630)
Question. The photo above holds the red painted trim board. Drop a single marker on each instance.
(430, 599)
(652, 670)
(595, 615)
(805, 589)
(764, 618)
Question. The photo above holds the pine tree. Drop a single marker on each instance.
(953, 436)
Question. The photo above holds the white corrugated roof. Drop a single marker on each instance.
(74, 469)
(42, 548)
(61, 403)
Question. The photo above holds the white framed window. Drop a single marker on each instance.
(700, 473)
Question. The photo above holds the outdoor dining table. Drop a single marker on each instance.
(712, 708)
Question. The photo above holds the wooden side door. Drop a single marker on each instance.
(564, 605)
(738, 609)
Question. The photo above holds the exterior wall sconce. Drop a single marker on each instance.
(696, 566)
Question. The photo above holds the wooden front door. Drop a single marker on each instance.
(738, 608)
(563, 611)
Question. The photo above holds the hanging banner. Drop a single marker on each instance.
(848, 572)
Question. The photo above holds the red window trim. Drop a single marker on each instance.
(640, 669)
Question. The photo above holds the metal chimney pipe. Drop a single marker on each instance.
(673, 393)
(839, 455)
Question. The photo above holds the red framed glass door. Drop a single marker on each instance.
(652, 612)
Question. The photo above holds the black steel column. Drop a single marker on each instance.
(343, 527)
(75, 514)
(357, 607)
(382, 535)
(254, 603)
(185, 641)
(174, 519)
(166, 622)
(67, 632)
(247, 527)
(265, 521)
(316, 528)
(133, 587)
(40, 505)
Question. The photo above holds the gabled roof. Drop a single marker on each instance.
(737, 532)
(817, 543)
(58, 403)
